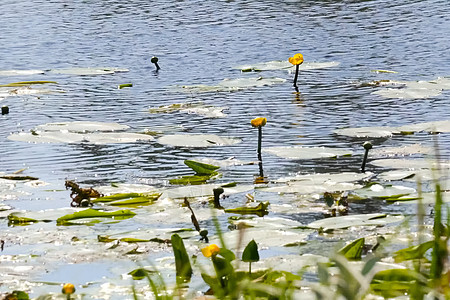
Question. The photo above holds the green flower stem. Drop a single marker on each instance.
(296, 75)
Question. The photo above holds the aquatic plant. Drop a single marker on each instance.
(259, 123)
(367, 146)
(296, 60)
(68, 289)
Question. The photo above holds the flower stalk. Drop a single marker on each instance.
(296, 60)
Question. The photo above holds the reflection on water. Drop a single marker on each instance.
(199, 42)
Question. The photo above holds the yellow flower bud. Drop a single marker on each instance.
(259, 122)
(211, 250)
(68, 289)
(297, 59)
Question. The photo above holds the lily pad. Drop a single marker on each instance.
(128, 199)
(81, 126)
(401, 151)
(295, 152)
(432, 127)
(390, 193)
(92, 213)
(354, 220)
(192, 108)
(416, 89)
(412, 164)
(367, 132)
(87, 71)
(305, 187)
(281, 65)
(193, 191)
(20, 72)
(26, 83)
(260, 209)
(201, 168)
(196, 140)
(229, 85)
(320, 178)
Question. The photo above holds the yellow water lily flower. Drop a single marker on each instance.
(211, 250)
(68, 289)
(259, 122)
(297, 59)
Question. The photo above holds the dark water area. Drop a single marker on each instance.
(199, 42)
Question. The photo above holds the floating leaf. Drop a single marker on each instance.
(412, 164)
(400, 151)
(20, 72)
(367, 132)
(87, 71)
(125, 85)
(353, 250)
(281, 65)
(17, 220)
(196, 140)
(26, 83)
(260, 209)
(229, 85)
(321, 178)
(81, 126)
(192, 108)
(432, 127)
(18, 177)
(92, 213)
(201, 168)
(192, 179)
(383, 71)
(140, 273)
(294, 152)
(416, 89)
(354, 220)
(389, 193)
(308, 187)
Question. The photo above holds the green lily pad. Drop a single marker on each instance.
(354, 220)
(282, 65)
(26, 83)
(128, 199)
(294, 152)
(197, 140)
(261, 208)
(389, 193)
(87, 71)
(201, 168)
(229, 85)
(92, 213)
(192, 179)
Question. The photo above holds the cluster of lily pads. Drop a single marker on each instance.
(258, 229)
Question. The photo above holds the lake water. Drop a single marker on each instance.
(199, 42)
